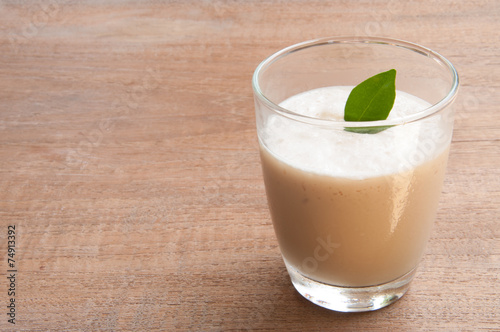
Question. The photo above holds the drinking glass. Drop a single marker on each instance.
(352, 211)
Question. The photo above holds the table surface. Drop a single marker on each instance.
(130, 169)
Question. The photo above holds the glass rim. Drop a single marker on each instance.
(429, 111)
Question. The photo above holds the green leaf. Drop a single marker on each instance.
(367, 130)
(371, 100)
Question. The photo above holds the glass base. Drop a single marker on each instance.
(346, 299)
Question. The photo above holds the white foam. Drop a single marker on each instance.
(345, 154)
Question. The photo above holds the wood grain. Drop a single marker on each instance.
(129, 166)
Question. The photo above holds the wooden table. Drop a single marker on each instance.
(129, 166)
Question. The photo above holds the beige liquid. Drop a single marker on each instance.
(352, 209)
(352, 232)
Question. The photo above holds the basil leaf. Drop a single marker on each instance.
(366, 130)
(371, 100)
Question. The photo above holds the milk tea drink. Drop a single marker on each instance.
(352, 209)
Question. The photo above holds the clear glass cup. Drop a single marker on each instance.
(352, 212)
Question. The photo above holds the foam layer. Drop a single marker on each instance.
(351, 155)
